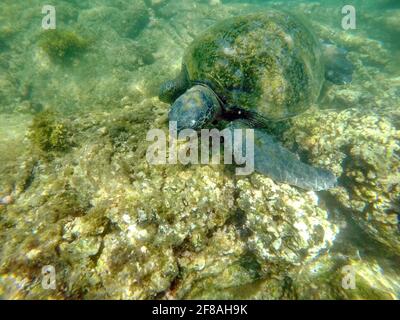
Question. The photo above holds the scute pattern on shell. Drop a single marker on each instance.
(269, 62)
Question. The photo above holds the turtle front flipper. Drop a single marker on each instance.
(338, 69)
(278, 163)
(172, 89)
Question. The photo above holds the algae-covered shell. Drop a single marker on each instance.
(269, 62)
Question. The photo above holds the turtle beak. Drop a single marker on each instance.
(174, 116)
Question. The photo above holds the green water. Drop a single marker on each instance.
(79, 201)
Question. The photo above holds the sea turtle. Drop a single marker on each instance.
(253, 70)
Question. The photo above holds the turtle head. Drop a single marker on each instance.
(338, 69)
(196, 108)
